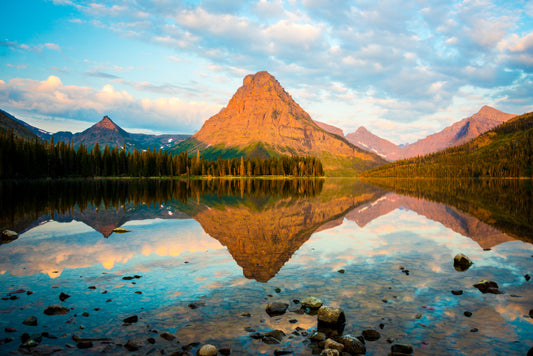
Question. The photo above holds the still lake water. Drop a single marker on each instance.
(206, 258)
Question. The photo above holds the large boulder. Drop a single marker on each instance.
(8, 236)
(312, 303)
(208, 350)
(56, 310)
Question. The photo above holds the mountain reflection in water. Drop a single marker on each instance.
(261, 222)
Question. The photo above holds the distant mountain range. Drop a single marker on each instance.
(105, 132)
(504, 151)
(262, 120)
(460, 132)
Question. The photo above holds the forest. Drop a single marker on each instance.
(22, 158)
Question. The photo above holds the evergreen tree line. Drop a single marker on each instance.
(33, 158)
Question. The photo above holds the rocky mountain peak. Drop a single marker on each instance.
(107, 123)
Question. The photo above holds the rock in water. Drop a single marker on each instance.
(352, 345)
(56, 310)
(461, 262)
(132, 345)
(120, 230)
(208, 350)
(312, 303)
(63, 296)
(371, 334)
(331, 315)
(276, 308)
(276, 334)
(131, 319)
(332, 344)
(167, 336)
(330, 352)
(31, 321)
(488, 287)
(402, 349)
(8, 235)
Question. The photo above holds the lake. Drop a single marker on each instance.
(201, 260)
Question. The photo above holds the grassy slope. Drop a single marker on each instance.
(505, 151)
(7, 124)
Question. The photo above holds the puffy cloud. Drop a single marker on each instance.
(51, 97)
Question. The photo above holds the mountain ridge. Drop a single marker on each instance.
(456, 134)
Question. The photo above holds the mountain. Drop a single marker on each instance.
(485, 119)
(104, 132)
(460, 132)
(366, 140)
(330, 128)
(8, 122)
(505, 151)
(263, 120)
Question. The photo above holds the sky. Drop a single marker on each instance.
(403, 69)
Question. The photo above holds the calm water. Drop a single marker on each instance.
(209, 256)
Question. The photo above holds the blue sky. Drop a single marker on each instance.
(403, 69)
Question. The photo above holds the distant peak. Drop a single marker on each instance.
(487, 109)
(107, 123)
(362, 129)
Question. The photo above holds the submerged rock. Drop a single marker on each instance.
(133, 345)
(461, 262)
(371, 334)
(457, 292)
(276, 334)
(31, 321)
(167, 336)
(401, 349)
(131, 319)
(56, 310)
(276, 308)
(488, 287)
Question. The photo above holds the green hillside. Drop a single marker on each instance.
(505, 151)
(9, 123)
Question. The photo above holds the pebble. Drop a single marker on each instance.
(63, 296)
(457, 292)
(474, 330)
(401, 348)
(31, 321)
(84, 344)
(282, 352)
(131, 319)
(167, 336)
(341, 271)
(332, 344)
(371, 334)
(208, 350)
(461, 262)
(330, 352)
(132, 345)
(56, 310)
(352, 345)
(10, 329)
(246, 314)
(527, 277)
(225, 350)
(488, 287)
(276, 308)
(276, 334)
(468, 314)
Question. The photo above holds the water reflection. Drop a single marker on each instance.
(229, 247)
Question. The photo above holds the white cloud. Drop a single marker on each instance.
(52, 98)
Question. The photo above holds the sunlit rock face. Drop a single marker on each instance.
(261, 111)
